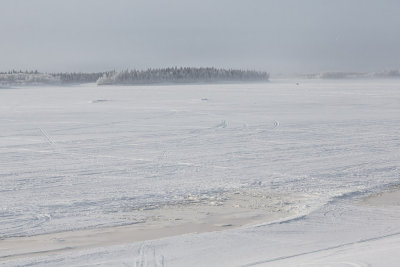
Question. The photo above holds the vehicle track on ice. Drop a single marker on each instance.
(321, 250)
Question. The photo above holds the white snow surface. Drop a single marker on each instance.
(336, 235)
(86, 157)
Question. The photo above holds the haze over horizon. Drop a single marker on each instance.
(275, 36)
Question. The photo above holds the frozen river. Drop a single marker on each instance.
(85, 156)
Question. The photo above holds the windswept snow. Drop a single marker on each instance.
(339, 234)
(69, 162)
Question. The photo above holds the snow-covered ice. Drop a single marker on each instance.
(339, 234)
(84, 157)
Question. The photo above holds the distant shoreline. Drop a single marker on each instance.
(175, 75)
(16, 86)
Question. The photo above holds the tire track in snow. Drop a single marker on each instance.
(320, 250)
(276, 124)
(148, 257)
(48, 137)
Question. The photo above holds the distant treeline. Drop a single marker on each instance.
(169, 75)
(182, 75)
(78, 77)
(353, 75)
(20, 77)
(26, 78)
(126, 77)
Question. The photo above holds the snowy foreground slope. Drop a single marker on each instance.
(87, 157)
(337, 235)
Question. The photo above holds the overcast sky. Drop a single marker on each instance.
(271, 35)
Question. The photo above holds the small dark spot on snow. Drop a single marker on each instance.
(98, 101)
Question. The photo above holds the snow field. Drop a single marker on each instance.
(85, 157)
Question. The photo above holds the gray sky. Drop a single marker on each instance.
(272, 35)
